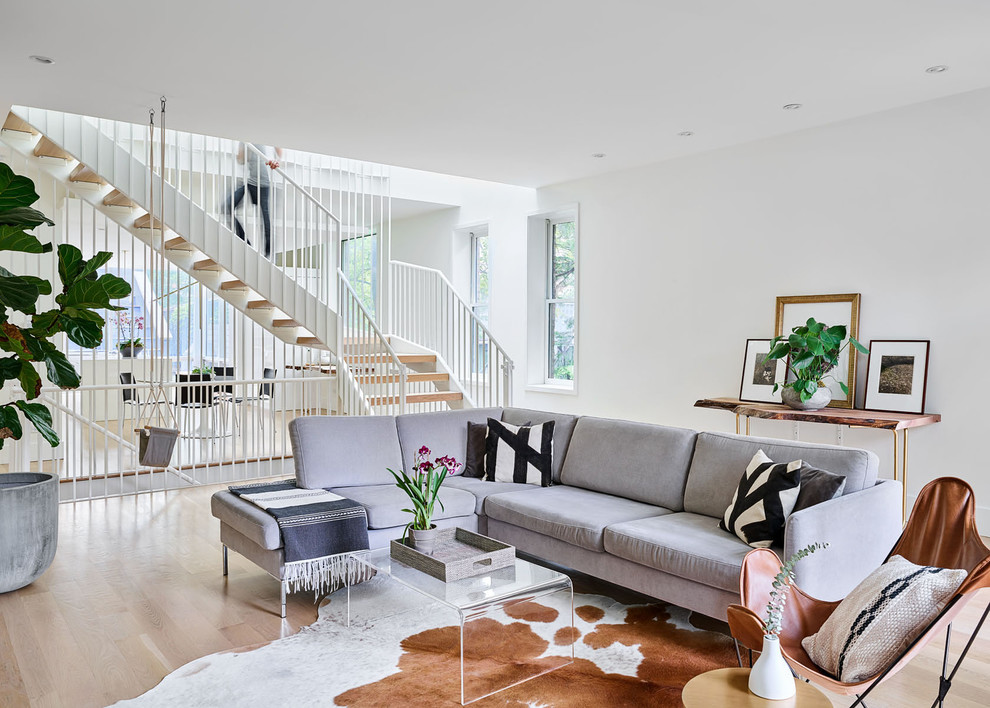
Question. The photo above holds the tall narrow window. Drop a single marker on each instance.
(480, 298)
(359, 261)
(561, 241)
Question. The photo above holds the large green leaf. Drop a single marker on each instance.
(10, 424)
(15, 238)
(44, 321)
(44, 287)
(70, 260)
(25, 217)
(60, 371)
(100, 259)
(82, 313)
(18, 293)
(83, 332)
(10, 369)
(41, 418)
(86, 294)
(15, 190)
(30, 381)
(115, 287)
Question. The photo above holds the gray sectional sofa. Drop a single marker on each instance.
(634, 504)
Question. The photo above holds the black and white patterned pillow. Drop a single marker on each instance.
(764, 499)
(519, 453)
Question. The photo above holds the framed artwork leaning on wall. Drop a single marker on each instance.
(897, 375)
(794, 311)
(758, 377)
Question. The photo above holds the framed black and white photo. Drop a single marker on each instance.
(794, 311)
(758, 377)
(897, 375)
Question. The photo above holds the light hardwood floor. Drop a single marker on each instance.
(136, 591)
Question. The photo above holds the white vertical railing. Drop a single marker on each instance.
(425, 309)
(371, 378)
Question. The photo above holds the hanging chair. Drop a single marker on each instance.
(156, 446)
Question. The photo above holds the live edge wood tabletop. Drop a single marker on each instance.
(897, 423)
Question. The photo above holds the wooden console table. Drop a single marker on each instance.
(897, 423)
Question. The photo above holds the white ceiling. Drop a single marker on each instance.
(518, 91)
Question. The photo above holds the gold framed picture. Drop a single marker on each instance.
(794, 311)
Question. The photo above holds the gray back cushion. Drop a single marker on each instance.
(648, 463)
(720, 460)
(336, 451)
(562, 430)
(445, 433)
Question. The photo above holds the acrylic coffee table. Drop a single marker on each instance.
(474, 599)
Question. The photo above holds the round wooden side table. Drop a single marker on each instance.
(730, 688)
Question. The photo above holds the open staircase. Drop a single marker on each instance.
(436, 354)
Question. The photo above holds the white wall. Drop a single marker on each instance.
(681, 262)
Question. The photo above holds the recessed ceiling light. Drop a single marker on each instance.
(42, 59)
(598, 154)
(938, 69)
(792, 106)
(686, 133)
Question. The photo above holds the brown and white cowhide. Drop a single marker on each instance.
(401, 650)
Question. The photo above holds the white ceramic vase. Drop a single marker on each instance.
(820, 399)
(770, 676)
(424, 540)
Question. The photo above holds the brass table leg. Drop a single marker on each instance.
(737, 424)
(747, 425)
(904, 465)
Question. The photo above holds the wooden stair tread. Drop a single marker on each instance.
(178, 244)
(310, 342)
(46, 148)
(145, 222)
(418, 358)
(83, 174)
(433, 397)
(411, 377)
(16, 123)
(117, 198)
(234, 285)
(207, 264)
(285, 323)
(260, 305)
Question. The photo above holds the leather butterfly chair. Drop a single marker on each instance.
(940, 532)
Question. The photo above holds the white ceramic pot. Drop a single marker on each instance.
(424, 541)
(821, 398)
(771, 677)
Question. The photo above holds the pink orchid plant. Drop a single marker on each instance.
(423, 485)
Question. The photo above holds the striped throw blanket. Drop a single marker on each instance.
(318, 528)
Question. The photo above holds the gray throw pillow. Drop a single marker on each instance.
(818, 486)
(880, 618)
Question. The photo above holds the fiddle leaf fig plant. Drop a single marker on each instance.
(814, 350)
(26, 333)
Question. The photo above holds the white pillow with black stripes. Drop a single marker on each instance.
(763, 500)
(519, 453)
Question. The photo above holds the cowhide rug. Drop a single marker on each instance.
(401, 650)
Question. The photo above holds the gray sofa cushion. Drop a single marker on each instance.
(250, 521)
(648, 463)
(336, 451)
(690, 546)
(562, 430)
(445, 433)
(482, 489)
(385, 502)
(570, 514)
(720, 460)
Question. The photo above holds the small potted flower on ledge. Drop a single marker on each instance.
(771, 677)
(132, 345)
(423, 488)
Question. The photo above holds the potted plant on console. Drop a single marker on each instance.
(29, 500)
(423, 488)
(132, 346)
(771, 676)
(812, 351)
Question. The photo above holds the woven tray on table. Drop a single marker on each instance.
(458, 554)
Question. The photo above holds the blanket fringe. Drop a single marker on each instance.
(326, 574)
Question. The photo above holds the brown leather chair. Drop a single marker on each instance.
(940, 532)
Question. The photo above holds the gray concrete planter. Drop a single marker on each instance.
(28, 527)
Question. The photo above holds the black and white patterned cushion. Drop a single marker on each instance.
(880, 618)
(519, 453)
(763, 500)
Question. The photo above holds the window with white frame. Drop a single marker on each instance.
(559, 310)
(480, 298)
